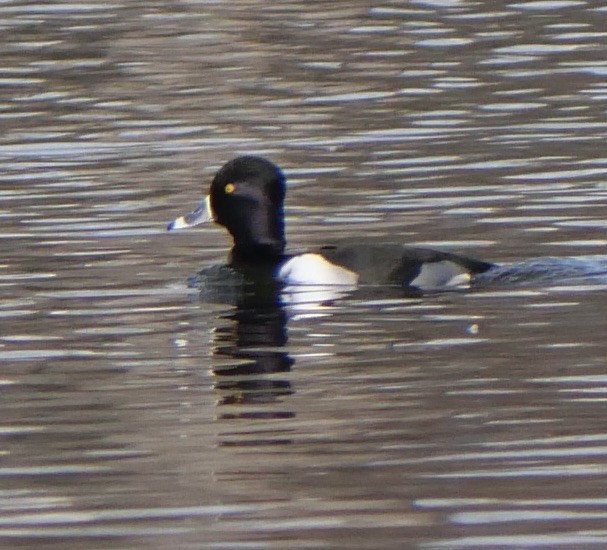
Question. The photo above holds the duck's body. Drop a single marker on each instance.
(386, 264)
(247, 197)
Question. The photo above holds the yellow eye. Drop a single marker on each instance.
(229, 188)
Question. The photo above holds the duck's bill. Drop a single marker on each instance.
(202, 214)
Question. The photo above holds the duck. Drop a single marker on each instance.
(247, 196)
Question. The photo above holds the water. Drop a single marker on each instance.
(137, 415)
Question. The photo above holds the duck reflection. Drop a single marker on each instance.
(251, 361)
(248, 342)
(254, 339)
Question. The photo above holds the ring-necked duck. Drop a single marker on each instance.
(247, 197)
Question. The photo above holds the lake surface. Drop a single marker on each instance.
(136, 414)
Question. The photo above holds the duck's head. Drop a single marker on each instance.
(246, 197)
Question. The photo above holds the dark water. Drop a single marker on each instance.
(136, 415)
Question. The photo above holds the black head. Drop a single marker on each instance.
(247, 197)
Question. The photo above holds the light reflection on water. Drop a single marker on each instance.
(136, 413)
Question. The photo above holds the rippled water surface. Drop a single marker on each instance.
(137, 414)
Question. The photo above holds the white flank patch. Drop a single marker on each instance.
(313, 269)
(436, 275)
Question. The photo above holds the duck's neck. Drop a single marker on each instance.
(260, 254)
